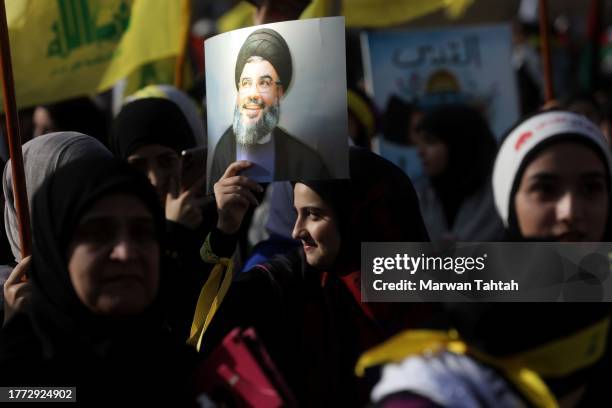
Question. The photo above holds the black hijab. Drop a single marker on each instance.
(377, 204)
(56, 311)
(58, 341)
(471, 153)
(150, 121)
(313, 322)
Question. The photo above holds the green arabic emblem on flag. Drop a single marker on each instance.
(77, 26)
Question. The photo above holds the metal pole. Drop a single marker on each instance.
(545, 51)
(14, 139)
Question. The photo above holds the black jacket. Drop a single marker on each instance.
(312, 332)
(151, 369)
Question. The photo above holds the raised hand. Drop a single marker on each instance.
(17, 290)
(234, 194)
(185, 207)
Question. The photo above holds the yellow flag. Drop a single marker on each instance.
(318, 8)
(357, 13)
(158, 72)
(381, 13)
(66, 48)
(239, 16)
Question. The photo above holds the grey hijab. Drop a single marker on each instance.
(42, 156)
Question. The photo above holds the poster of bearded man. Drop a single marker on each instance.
(276, 96)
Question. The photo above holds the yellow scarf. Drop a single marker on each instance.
(555, 359)
(212, 293)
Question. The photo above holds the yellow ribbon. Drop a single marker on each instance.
(524, 370)
(212, 293)
(361, 110)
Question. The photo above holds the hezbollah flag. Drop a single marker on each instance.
(66, 48)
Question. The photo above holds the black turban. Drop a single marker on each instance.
(269, 45)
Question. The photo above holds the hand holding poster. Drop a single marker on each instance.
(276, 96)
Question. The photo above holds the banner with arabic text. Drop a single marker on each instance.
(465, 65)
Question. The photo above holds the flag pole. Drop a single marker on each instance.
(13, 136)
(594, 27)
(545, 51)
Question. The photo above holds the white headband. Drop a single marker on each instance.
(526, 137)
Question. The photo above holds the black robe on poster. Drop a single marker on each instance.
(294, 159)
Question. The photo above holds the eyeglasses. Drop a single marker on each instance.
(263, 84)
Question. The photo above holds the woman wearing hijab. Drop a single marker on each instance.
(551, 183)
(187, 106)
(552, 180)
(150, 134)
(457, 150)
(306, 305)
(273, 220)
(42, 156)
(96, 317)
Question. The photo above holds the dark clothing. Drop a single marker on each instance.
(144, 369)
(150, 121)
(79, 115)
(494, 328)
(311, 331)
(471, 151)
(406, 399)
(189, 272)
(313, 322)
(294, 159)
(58, 340)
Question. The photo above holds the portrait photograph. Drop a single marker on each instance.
(276, 96)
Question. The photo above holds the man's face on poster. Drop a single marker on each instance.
(257, 110)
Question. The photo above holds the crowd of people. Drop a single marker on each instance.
(135, 280)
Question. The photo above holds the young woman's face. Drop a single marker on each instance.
(563, 195)
(160, 164)
(316, 227)
(432, 151)
(113, 258)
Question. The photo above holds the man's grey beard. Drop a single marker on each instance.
(248, 135)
